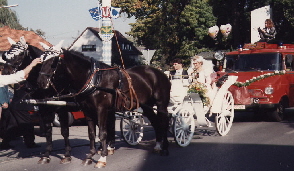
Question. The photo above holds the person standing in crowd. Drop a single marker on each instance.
(15, 115)
(268, 32)
(179, 72)
(4, 101)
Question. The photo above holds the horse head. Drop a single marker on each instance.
(19, 55)
(51, 60)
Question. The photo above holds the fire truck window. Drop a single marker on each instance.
(289, 62)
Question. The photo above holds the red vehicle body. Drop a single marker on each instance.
(265, 82)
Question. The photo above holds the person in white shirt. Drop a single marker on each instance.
(11, 120)
(20, 75)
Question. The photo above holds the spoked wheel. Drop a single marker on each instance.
(184, 126)
(224, 120)
(131, 128)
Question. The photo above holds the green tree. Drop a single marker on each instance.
(176, 28)
(8, 17)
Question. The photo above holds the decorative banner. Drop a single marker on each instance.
(226, 29)
(115, 12)
(96, 13)
(106, 33)
(213, 31)
(106, 12)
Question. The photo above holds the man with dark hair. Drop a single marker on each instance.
(179, 72)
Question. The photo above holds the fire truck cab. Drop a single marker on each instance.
(265, 82)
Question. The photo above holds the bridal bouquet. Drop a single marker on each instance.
(201, 89)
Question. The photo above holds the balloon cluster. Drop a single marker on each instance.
(225, 30)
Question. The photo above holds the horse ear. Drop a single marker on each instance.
(59, 45)
(11, 41)
(22, 40)
(46, 47)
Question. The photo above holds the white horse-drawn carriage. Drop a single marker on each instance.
(187, 112)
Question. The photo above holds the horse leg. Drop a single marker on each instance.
(104, 119)
(111, 132)
(160, 123)
(149, 113)
(91, 134)
(163, 119)
(63, 119)
(47, 119)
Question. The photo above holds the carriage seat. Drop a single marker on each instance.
(179, 88)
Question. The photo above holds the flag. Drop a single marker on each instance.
(115, 12)
(96, 13)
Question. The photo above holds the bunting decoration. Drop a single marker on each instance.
(95, 13)
(114, 12)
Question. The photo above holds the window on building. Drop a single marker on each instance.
(87, 48)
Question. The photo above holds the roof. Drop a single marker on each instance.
(120, 38)
(31, 38)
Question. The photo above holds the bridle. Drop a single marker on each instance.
(54, 65)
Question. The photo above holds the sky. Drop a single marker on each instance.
(62, 19)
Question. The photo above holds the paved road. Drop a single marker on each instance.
(249, 146)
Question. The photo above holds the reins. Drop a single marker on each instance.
(133, 94)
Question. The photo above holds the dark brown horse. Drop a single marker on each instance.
(17, 58)
(99, 86)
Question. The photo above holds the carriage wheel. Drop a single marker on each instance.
(224, 120)
(184, 127)
(131, 128)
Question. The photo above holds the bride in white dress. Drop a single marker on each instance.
(201, 71)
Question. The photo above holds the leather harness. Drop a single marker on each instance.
(121, 98)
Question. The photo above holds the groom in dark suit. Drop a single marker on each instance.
(179, 72)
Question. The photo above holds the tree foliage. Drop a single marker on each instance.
(8, 17)
(177, 28)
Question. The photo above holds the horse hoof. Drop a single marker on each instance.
(164, 152)
(44, 160)
(87, 162)
(156, 151)
(65, 160)
(100, 164)
(111, 152)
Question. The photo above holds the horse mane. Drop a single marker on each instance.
(86, 58)
(34, 51)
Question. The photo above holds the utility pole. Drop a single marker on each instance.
(106, 32)
(106, 12)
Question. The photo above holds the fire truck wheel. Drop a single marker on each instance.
(278, 113)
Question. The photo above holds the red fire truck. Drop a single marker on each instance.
(265, 82)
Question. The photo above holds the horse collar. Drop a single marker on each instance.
(93, 79)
